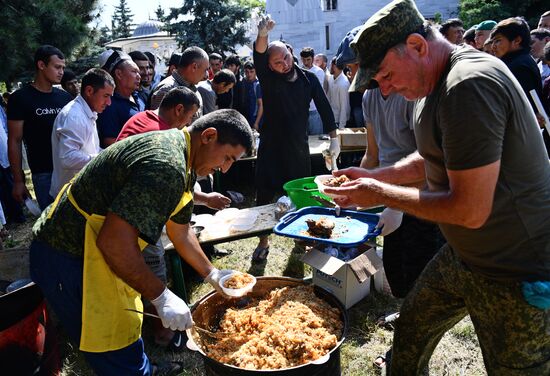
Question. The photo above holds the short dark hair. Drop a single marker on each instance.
(138, 56)
(192, 55)
(514, 27)
(97, 78)
(68, 75)
(45, 52)
(215, 56)
(249, 65)
(340, 65)
(307, 52)
(233, 60)
(174, 59)
(546, 53)
(180, 95)
(224, 76)
(540, 33)
(469, 35)
(151, 57)
(451, 22)
(232, 127)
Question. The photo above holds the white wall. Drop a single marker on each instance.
(302, 26)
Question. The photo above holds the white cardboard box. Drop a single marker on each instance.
(350, 280)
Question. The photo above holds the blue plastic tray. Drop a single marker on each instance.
(351, 227)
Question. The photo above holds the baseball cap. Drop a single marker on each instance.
(486, 25)
(388, 27)
(345, 54)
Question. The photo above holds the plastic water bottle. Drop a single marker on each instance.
(33, 207)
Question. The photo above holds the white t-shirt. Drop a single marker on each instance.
(320, 74)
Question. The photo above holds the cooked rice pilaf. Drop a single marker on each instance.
(238, 281)
(289, 328)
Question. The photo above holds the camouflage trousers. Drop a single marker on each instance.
(514, 336)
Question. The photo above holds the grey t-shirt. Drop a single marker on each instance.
(208, 97)
(392, 121)
(477, 115)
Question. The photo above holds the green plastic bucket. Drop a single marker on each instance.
(301, 190)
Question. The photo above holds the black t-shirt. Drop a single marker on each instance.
(38, 111)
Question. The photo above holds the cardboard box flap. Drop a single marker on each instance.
(325, 263)
(365, 265)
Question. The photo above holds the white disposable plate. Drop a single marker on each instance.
(236, 292)
(320, 180)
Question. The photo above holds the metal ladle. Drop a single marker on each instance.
(195, 327)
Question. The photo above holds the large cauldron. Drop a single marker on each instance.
(208, 312)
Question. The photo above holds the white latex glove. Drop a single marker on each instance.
(334, 147)
(173, 311)
(265, 25)
(390, 220)
(214, 278)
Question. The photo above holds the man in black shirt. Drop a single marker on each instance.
(31, 113)
(287, 90)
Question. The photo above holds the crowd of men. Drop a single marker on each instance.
(485, 171)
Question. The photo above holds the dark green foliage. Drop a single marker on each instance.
(473, 12)
(216, 26)
(159, 12)
(122, 21)
(28, 24)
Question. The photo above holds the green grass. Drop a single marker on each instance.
(457, 354)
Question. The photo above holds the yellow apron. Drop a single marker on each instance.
(106, 324)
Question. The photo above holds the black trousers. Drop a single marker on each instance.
(407, 250)
(12, 209)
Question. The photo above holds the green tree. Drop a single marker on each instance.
(253, 5)
(214, 25)
(473, 12)
(159, 12)
(29, 24)
(122, 21)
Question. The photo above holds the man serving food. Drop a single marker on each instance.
(486, 188)
(86, 254)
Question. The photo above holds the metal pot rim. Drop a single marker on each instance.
(192, 345)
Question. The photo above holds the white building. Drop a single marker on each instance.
(321, 24)
(147, 36)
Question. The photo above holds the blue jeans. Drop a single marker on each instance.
(59, 276)
(315, 125)
(42, 183)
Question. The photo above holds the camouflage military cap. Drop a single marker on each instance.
(386, 28)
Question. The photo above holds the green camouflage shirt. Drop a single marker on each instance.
(141, 179)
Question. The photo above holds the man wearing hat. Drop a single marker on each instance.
(486, 188)
(346, 56)
(125, 100)
(483, 32)
(287, 90)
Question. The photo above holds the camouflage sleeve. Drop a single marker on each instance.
(184, 215)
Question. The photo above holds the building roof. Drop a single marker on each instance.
(147, 28)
